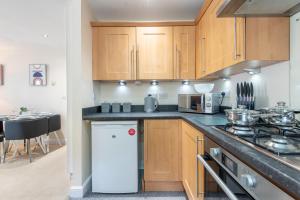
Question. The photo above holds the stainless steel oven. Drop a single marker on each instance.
(227, 176)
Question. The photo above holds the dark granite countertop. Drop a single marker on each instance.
(280, 174)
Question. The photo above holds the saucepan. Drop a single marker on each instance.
(241, 116)
(281, 115)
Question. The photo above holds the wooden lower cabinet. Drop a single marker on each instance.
(170, 163)
(162, 155)
(189, 162)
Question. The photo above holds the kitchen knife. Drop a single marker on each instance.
(242, 94)
(238, 92)
(249, 96)
(252, 96)
(245, 94)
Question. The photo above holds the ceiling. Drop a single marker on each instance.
(145, 10)
(27, 22)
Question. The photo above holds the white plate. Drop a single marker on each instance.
(204, 87)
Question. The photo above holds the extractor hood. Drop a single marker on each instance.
(231, 8)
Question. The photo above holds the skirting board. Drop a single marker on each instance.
(81, 190)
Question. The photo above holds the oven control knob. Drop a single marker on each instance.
(215, 152)
(248, 180)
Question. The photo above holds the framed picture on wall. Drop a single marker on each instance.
(38, 74)
(1, 75)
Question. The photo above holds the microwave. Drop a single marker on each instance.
(199, 103)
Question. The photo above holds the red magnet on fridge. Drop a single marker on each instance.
(131, 131)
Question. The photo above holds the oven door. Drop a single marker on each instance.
(218, 182)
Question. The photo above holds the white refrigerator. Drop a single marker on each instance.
(114, 157)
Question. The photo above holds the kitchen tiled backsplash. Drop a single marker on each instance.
(270, 86)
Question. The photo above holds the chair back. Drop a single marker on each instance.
(1, 132)
(1, 127)
(25, 129)
(54, 123)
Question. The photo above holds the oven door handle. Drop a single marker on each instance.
(228, 192)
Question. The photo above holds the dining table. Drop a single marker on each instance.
(27, 116)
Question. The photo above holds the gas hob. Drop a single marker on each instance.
(280, 142)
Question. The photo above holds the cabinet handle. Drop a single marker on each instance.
(197, 165)
(203, 55)
(132, 62)
(178, 61)
(137, 62)
(236, 54)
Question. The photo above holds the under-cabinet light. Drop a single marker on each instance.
(122, 83)
(154, 82)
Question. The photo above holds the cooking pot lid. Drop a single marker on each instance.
(241, 110)
(281, 108)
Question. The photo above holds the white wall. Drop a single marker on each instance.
(22, 26)
(166, 92)
(295, 61)
(270, 86)
(87, 92)
(80, 94)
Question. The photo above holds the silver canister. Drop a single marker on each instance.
(116, 107)
(127, 107)
(105, 107)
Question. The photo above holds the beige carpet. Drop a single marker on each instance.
(46, 178)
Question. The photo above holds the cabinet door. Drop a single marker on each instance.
(189, 162)
(225, 39)
(113, 53)
(155, 53)
(162, 154)
(184, 52)
(200, 48)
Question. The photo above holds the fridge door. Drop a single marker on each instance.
(114, 157)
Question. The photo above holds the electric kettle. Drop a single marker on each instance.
(150, 103)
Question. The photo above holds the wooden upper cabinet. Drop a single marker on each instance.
(200, 48)
(155, 53)
(224, 39)
(114, 53)
(268, 38)
(231, 44)
(184, 52)
(189, 162)
(162, 155)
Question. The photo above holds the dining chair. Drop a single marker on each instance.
(54, 124)
(3, 148)
(2, 140)
(25, 129)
